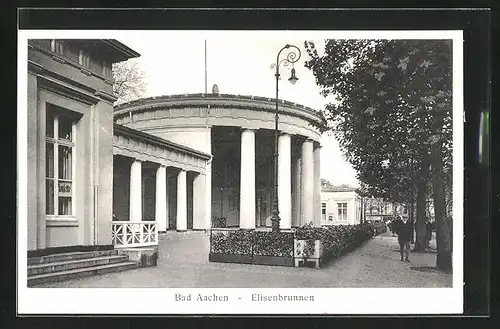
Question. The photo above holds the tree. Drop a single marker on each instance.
(129, 81)
(325, 183)
(392, 114)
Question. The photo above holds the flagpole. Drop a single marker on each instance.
(205, 66)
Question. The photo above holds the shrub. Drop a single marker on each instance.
(308, 232)
(336, 239)
(273, 244)
(379, 227)
(247, 242)
(231, 242)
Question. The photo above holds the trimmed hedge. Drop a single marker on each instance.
(231, 242)
(273, 243)
(335, 240)
(248, 242)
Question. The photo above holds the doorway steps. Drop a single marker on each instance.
(74, 265)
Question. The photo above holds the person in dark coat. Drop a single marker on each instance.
(404, 238)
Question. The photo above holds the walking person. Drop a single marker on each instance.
(404, 238)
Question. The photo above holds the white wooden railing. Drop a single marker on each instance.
(134, 234)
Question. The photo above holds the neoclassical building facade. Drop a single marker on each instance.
(70, 141)
(232, 139)
(115, 176)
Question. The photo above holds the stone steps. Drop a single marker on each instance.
(80, 273)
(74, 265)
(70, 256)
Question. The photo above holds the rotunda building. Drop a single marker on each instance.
(238, 132)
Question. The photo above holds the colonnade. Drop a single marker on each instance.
(161, 201)
(307, 187)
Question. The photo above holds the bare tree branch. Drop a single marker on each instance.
(129, 81)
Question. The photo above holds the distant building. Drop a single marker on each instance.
(340, 205)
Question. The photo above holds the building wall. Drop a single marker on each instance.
(104, 171)
(69, 70)
(73, 230)
(195, 138)
(247, 119)
(189, 206)
(172, 198)
(199, 202)
(54, 80)
(148, 193)
(121, 188)
(332, 199)
(186, 119)
(32, 192)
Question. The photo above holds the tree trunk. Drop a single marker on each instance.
(420, 227)
(443, 224)
(409, 209)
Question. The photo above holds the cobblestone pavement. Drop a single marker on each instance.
(183, 263)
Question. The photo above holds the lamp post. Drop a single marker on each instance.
(291, 57)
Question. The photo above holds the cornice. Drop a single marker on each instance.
(221, 101)
(122, 48)
(67, 61)
(66, 90)
(34, 67)
(106, 96)
(154, 140)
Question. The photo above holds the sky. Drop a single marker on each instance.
(175, 64)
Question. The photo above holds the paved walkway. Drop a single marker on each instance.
(183, 263)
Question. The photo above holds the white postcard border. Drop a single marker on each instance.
(162, 301)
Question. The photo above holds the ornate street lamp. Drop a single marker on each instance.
(291, 57)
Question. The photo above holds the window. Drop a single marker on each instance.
(84, 59)
(323, 211)
(342, 211)
(59, 162)
(57, 46)
(106, 70)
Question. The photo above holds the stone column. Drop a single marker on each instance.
(199, 202)
(285, 181)
(317, 187)
(161, 198)
(298, 192)
(307, 183)
(208, 181)
(41, 224)
(136, 191)
(208, 195)
(247, 180)
(181, 221)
